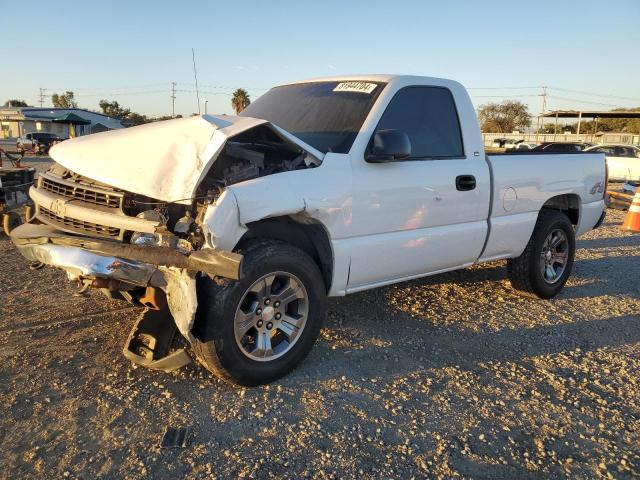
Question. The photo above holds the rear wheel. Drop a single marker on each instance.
(546, 263)
(257, 329)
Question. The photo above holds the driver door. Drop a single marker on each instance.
(414, 216)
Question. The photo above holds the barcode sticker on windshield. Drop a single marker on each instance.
(360, 87)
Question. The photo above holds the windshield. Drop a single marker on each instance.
(326, 115)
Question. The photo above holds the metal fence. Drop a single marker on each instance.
(622, 138)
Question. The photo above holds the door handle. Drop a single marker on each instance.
(465, 182)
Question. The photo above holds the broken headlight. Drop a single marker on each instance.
(146, 239)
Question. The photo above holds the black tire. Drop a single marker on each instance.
(216, 347)
(525, 271)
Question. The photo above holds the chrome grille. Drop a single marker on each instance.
(78, 192)
(79, 225)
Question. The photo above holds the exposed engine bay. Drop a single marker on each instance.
(254, 153)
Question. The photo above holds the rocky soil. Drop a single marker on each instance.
(454, 376)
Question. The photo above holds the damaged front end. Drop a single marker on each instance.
(132, 213)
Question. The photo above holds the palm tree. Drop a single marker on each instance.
(240, 100)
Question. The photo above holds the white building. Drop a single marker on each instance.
(65, 122)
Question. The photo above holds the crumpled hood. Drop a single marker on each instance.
(162, 160)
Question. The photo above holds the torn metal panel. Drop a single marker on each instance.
(90, 257)
(225, 264)
(221, 222)
(82, 263)
(149, 343)
(181, 297)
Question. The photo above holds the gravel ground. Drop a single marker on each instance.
(454, 376)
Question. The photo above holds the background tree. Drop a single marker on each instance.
(134, 119)
(125, 115)
(562, 127)
(503, 117)
(15, 103)
(64, 100)
(113, 109)
(624, 125)
(240, 100)
(629, 125)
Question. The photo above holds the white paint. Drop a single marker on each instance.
(181, 298)
(589, 214)
(621, 168)
(396, 221)
(509, 199)
(221, 224)
(386, 222)
(162, 160)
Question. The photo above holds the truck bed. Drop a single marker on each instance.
(522, 182)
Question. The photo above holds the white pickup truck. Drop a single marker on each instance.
(238, 228)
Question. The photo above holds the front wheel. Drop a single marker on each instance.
(256, 330)
(546, 263)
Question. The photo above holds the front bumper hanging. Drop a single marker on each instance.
(119, 266)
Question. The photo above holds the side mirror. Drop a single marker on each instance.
(388, 146)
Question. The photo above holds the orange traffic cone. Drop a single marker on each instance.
(632, 220)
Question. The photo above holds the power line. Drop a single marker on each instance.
(117, 94)
(112, 88)
(502, 88)
(505, 96)
(185, 90)
(595, 94)
(207, 85)
(577, 100)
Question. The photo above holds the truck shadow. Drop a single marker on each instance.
(447, 347)
(420, 342)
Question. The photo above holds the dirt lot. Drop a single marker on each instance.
(451, 376)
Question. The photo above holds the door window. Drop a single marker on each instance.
(428, 116)
(626, 152)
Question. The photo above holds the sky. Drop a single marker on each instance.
(586, 52)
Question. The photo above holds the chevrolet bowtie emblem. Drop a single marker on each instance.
(59, 207)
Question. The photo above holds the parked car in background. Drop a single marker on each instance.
(39, 142)
(623, 160)
(507, 143)
(525, 146)
(561, 147)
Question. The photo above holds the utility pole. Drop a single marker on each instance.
(42, 90)
(173, 99)
(544, 108)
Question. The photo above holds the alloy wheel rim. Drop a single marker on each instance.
(554, 256)
(271, 316)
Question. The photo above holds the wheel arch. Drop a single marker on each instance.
(301, 231)
(568, 203)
